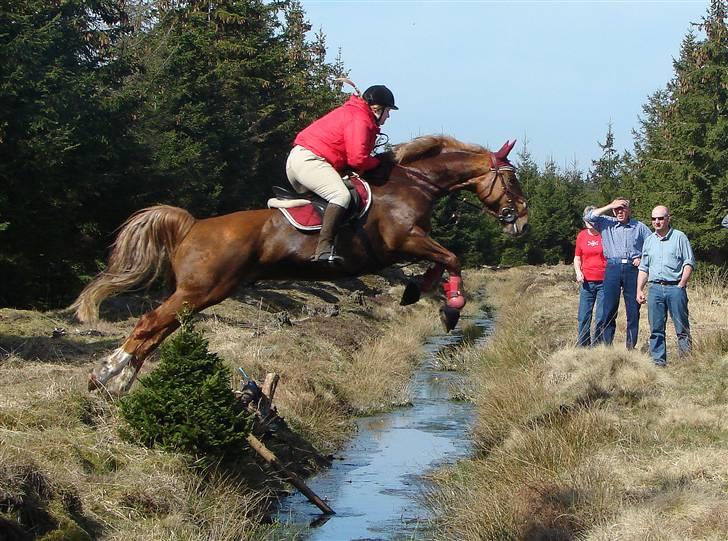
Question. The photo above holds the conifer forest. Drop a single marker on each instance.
(109, 106)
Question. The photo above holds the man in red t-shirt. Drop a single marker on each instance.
(589, 265)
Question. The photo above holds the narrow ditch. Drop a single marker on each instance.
(376, 483)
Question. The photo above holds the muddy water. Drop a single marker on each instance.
(376, 483)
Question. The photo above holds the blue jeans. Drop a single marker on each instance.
(620, 277)
(590, 293)
(661, 301)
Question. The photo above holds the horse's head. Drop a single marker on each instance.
(443, 164)
(498, 189)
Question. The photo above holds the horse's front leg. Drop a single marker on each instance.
(422, 284)
(422, 246)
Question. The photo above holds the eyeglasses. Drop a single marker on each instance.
(658, 218)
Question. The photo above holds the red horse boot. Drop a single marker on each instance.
(454, 297)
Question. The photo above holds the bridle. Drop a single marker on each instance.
(507, 214)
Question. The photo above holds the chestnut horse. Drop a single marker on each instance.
(209, 258)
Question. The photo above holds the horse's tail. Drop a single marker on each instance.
(139, 255)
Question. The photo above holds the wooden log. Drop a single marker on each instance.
(294, 479)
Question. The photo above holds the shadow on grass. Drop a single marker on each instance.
(49, 349)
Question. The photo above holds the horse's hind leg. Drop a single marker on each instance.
(117, 372)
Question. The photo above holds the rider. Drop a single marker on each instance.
(342, 139)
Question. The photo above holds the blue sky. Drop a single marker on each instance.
(554, 72)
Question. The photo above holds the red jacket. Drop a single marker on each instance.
(344, 137)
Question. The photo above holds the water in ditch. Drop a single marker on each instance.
(375, 484)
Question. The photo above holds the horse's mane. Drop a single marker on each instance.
(432, 145)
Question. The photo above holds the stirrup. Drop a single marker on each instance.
(329, 257)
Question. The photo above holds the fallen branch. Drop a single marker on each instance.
(296, 481)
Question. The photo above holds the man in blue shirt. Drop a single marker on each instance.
(667, 262)
(622, 239)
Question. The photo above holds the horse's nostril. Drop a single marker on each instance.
(525, 228)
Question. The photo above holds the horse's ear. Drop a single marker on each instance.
(505, 150)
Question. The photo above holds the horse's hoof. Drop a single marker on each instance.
(411, 293)
(449, 317)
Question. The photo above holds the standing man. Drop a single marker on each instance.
(667, 262)
(622, 239)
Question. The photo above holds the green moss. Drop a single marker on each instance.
(67, 530)
(95, 461)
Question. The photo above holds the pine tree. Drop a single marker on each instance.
(554, 215)
(187, 404)
(681, 151)
(63, 141)
(605, 175)
(107, 106)
(227, 85)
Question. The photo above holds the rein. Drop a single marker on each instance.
(506, 214)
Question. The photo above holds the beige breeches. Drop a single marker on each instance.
(307, 171)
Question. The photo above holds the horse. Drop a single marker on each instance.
(208, 258)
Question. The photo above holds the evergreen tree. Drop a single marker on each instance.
(681, 151)
(227, 84)
(187, 404)
(62, 140)
(553, 214)
(104, 111)
(460, 224)
(605, 175)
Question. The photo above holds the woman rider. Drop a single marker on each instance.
(342, 139)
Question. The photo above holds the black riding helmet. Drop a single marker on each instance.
(379, 95)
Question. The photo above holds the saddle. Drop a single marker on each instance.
(305, 211)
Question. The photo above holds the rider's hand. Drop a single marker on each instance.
(383, 170)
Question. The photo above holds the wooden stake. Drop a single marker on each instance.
(294, 479)
(265, 404)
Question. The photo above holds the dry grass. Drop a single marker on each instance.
(590, 443)
(65, 469)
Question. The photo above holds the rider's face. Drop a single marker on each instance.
(385, 116)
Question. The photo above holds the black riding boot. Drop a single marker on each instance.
(325, 249)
